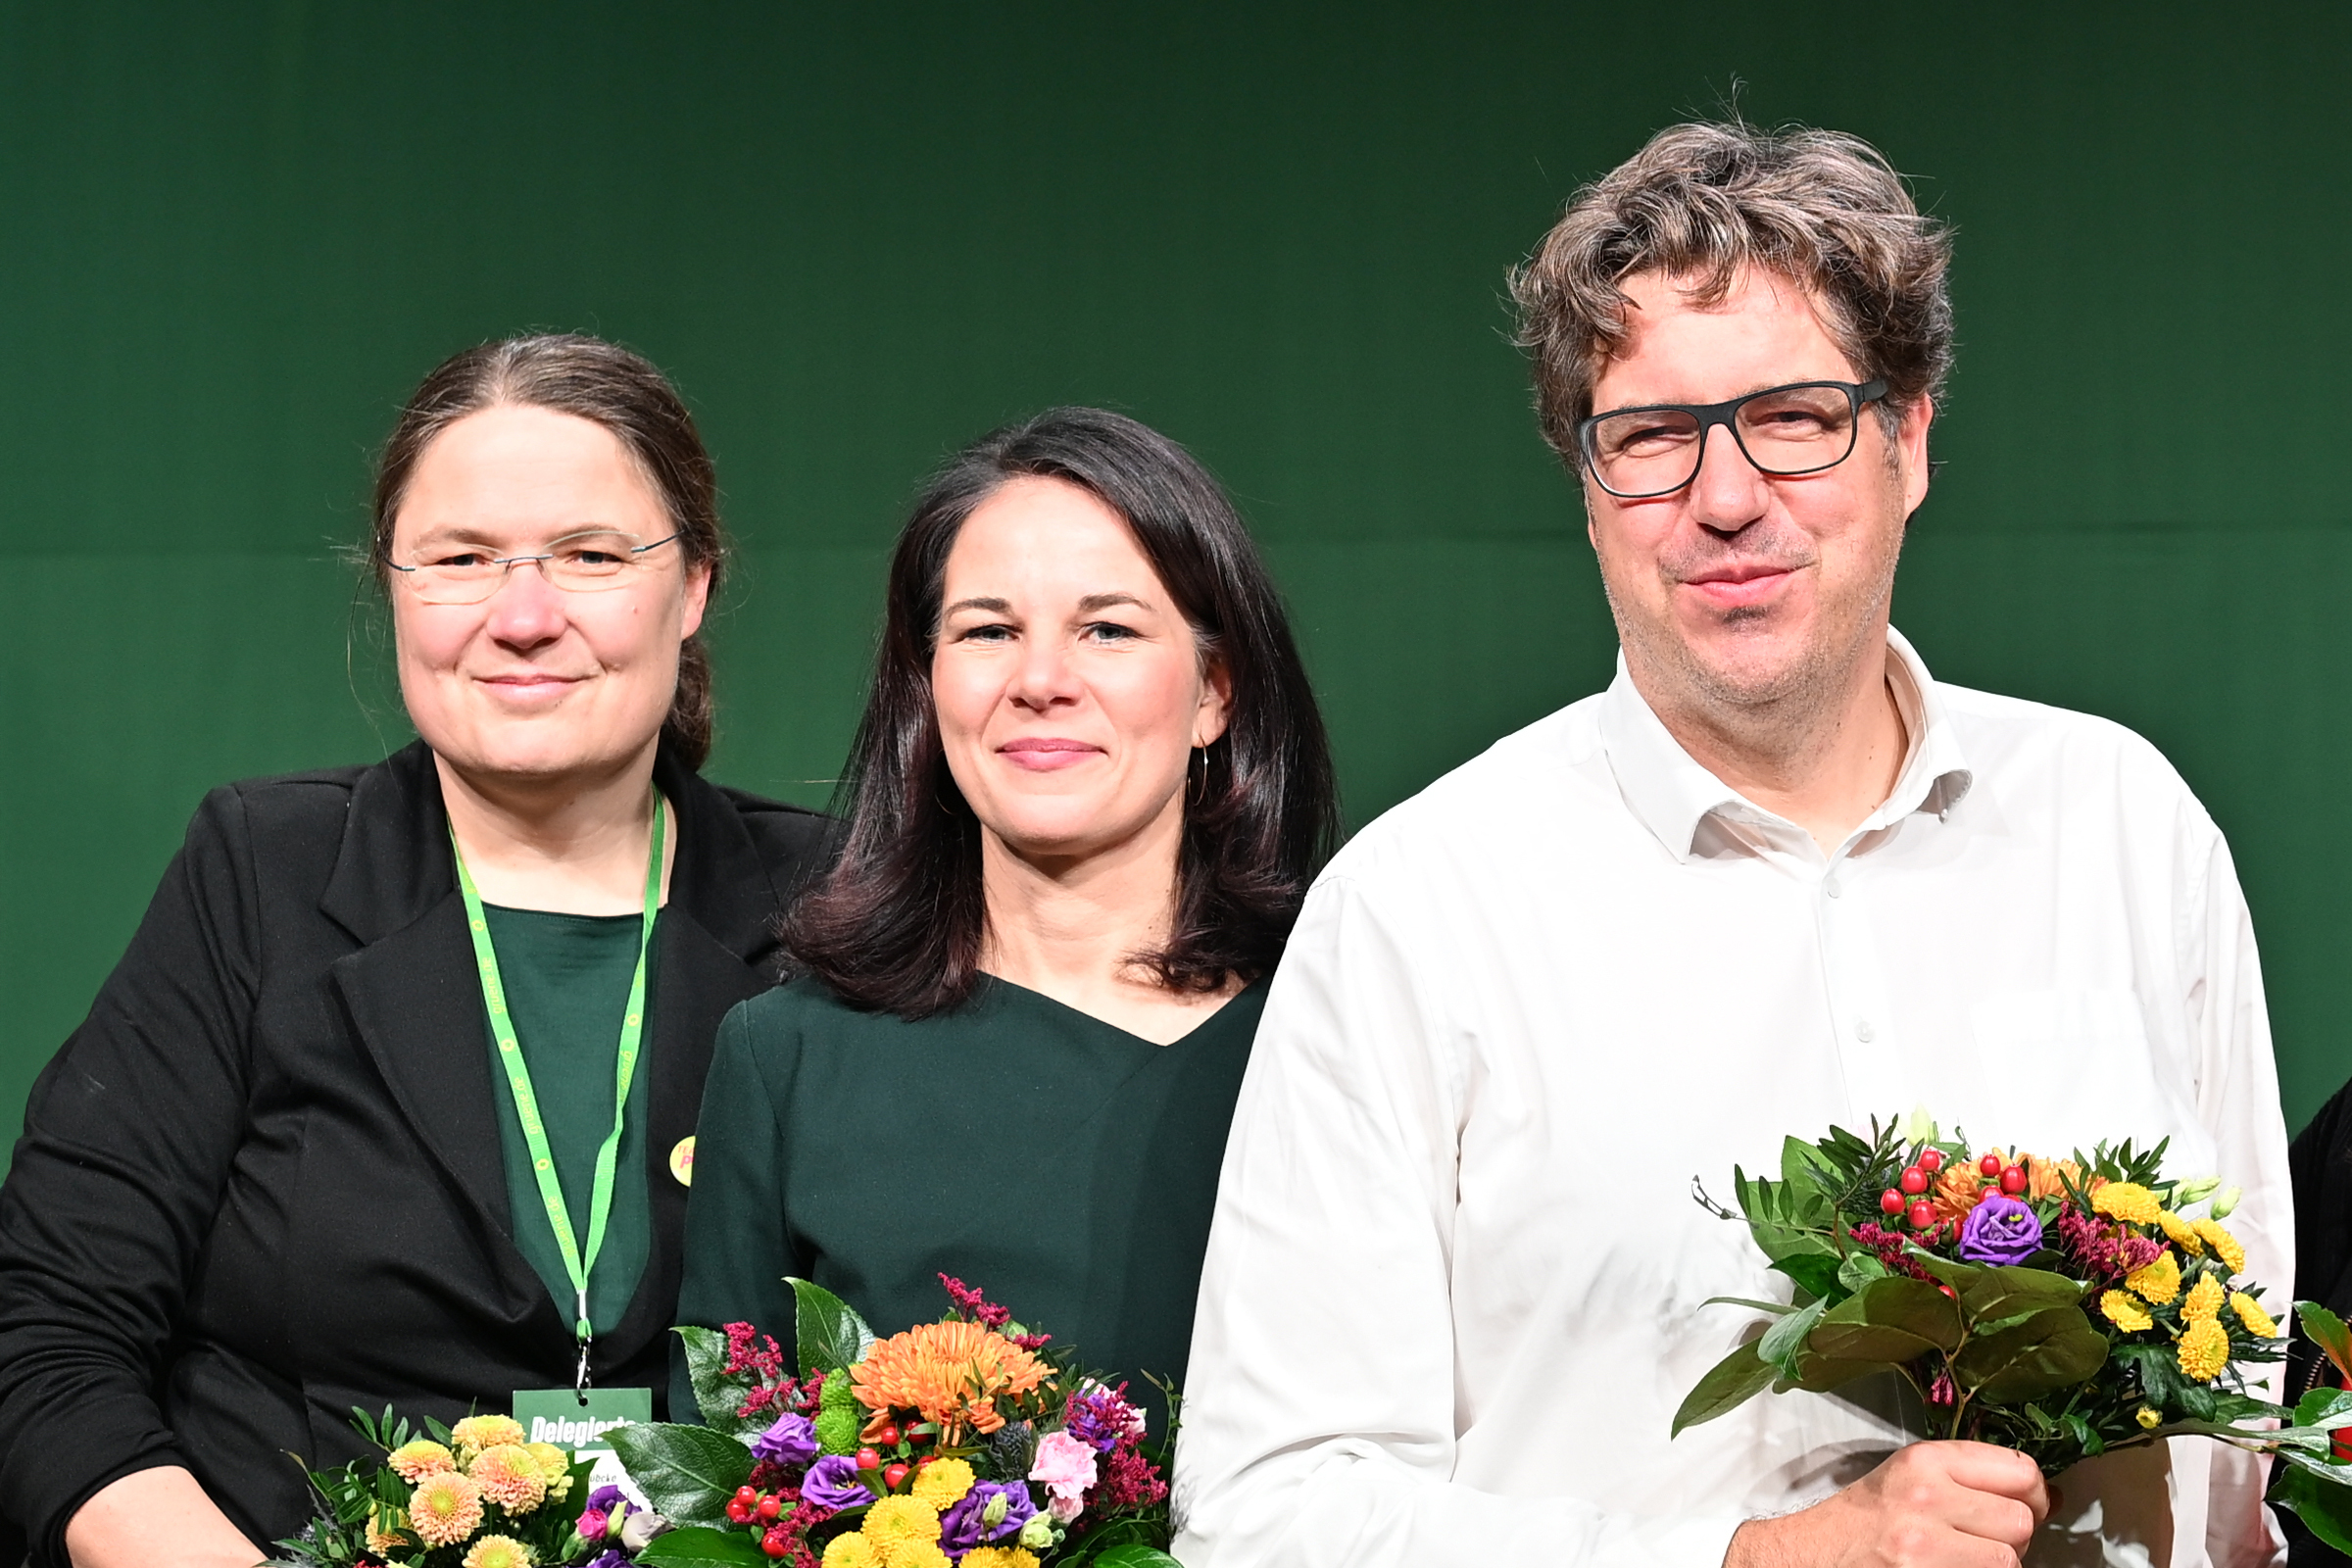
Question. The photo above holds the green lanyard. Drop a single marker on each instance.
(527, 1104)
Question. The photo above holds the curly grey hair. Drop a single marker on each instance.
(1703, 201)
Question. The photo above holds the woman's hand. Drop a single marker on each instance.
(152, 1516)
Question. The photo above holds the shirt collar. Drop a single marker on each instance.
(1672, 793)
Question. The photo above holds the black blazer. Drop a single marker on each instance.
(262, 1182)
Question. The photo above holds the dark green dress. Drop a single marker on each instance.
(1062, 1165)
(566, 978)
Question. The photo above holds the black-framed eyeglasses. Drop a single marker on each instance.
(1803, 427)
(590, 560)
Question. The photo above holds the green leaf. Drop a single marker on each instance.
(2327, 1331)
(1733, 1381)
(2003, 1292)
(2331, 1405)
(1786, 1337)
(1893, 1320)
(1815, 1273)
(1776, 1308)
(1858, 1270)
(717, 1393)
(1818, 1374)
(2323, 1502)
(694, 1546)
(1133, 1556)
(687, 1473)
(831, 1335)
(1959, 1276)
(2054, 1348)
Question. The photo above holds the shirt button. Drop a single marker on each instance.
(1864, 1032)
(1832, 886)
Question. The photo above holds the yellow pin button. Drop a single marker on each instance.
(681, 1161)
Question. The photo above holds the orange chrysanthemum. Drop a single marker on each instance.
(511, 1476)
(446, 1509)
(953, 1373)
(1959, 1186)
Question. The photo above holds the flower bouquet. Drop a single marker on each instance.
(962, 1442)
(2060, 1307)
(472, 1495)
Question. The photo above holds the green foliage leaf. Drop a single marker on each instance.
(2327, 1331)
(1132, 1556)
(1815, 1273)
(1893, 1320)
(2053, 1348)
(695, 1546)
(1730, 1383)
(716, 1393)
(831, 1335)
(1776, 1308)
(1858, 1270)
(1818, 1374)
(2330, 1407)
(2323, 1501)
(1997, 1295)
(687, 1473)
(1786, 1337)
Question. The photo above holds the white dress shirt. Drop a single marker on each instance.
(1452, 1294)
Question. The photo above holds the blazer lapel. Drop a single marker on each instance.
(410, 989)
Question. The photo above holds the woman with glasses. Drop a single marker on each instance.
(390, 1097)
(1083, 808)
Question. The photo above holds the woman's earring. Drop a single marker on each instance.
(1200, 756)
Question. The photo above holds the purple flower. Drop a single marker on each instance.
(602, 1499)
(609, 1559)
(2000, 1229)
(1099, 1417)
(967, 1523)
(832, 1483)
(791, 1442)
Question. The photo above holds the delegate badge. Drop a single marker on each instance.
(577, 1423)
(681, 1161)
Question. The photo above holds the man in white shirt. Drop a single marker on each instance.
(1774, 878)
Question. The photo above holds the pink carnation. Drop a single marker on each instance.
(1066, 1468)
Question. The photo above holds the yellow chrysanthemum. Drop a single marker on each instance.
(942, 1481)
(2157, 1282)
(2204, 1302)
(2249, 1313)
(499, 1551)
(2203, 1351)
(2181, 1232)
(999, 1557)
(2149, 1420)
(2224, 1246)
(478, 1432)
(914, 1554)
(2123, 1309)
(896, 1519)
(509, 1476)
(554, 1463)
(414, 1461)
(851, 1551)
(381, 1527)
(2128, 1201)
(446, 1508)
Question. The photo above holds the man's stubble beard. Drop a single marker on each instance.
(1788, 703)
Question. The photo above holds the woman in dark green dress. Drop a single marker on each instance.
(1088, 795)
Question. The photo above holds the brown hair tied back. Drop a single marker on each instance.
(1702, 202)
(572, 373)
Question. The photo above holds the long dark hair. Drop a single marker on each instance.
(574, 373)
(899, 923)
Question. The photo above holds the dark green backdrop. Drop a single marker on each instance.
(232, 235)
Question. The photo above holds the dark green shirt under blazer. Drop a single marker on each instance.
(1062, 1165)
